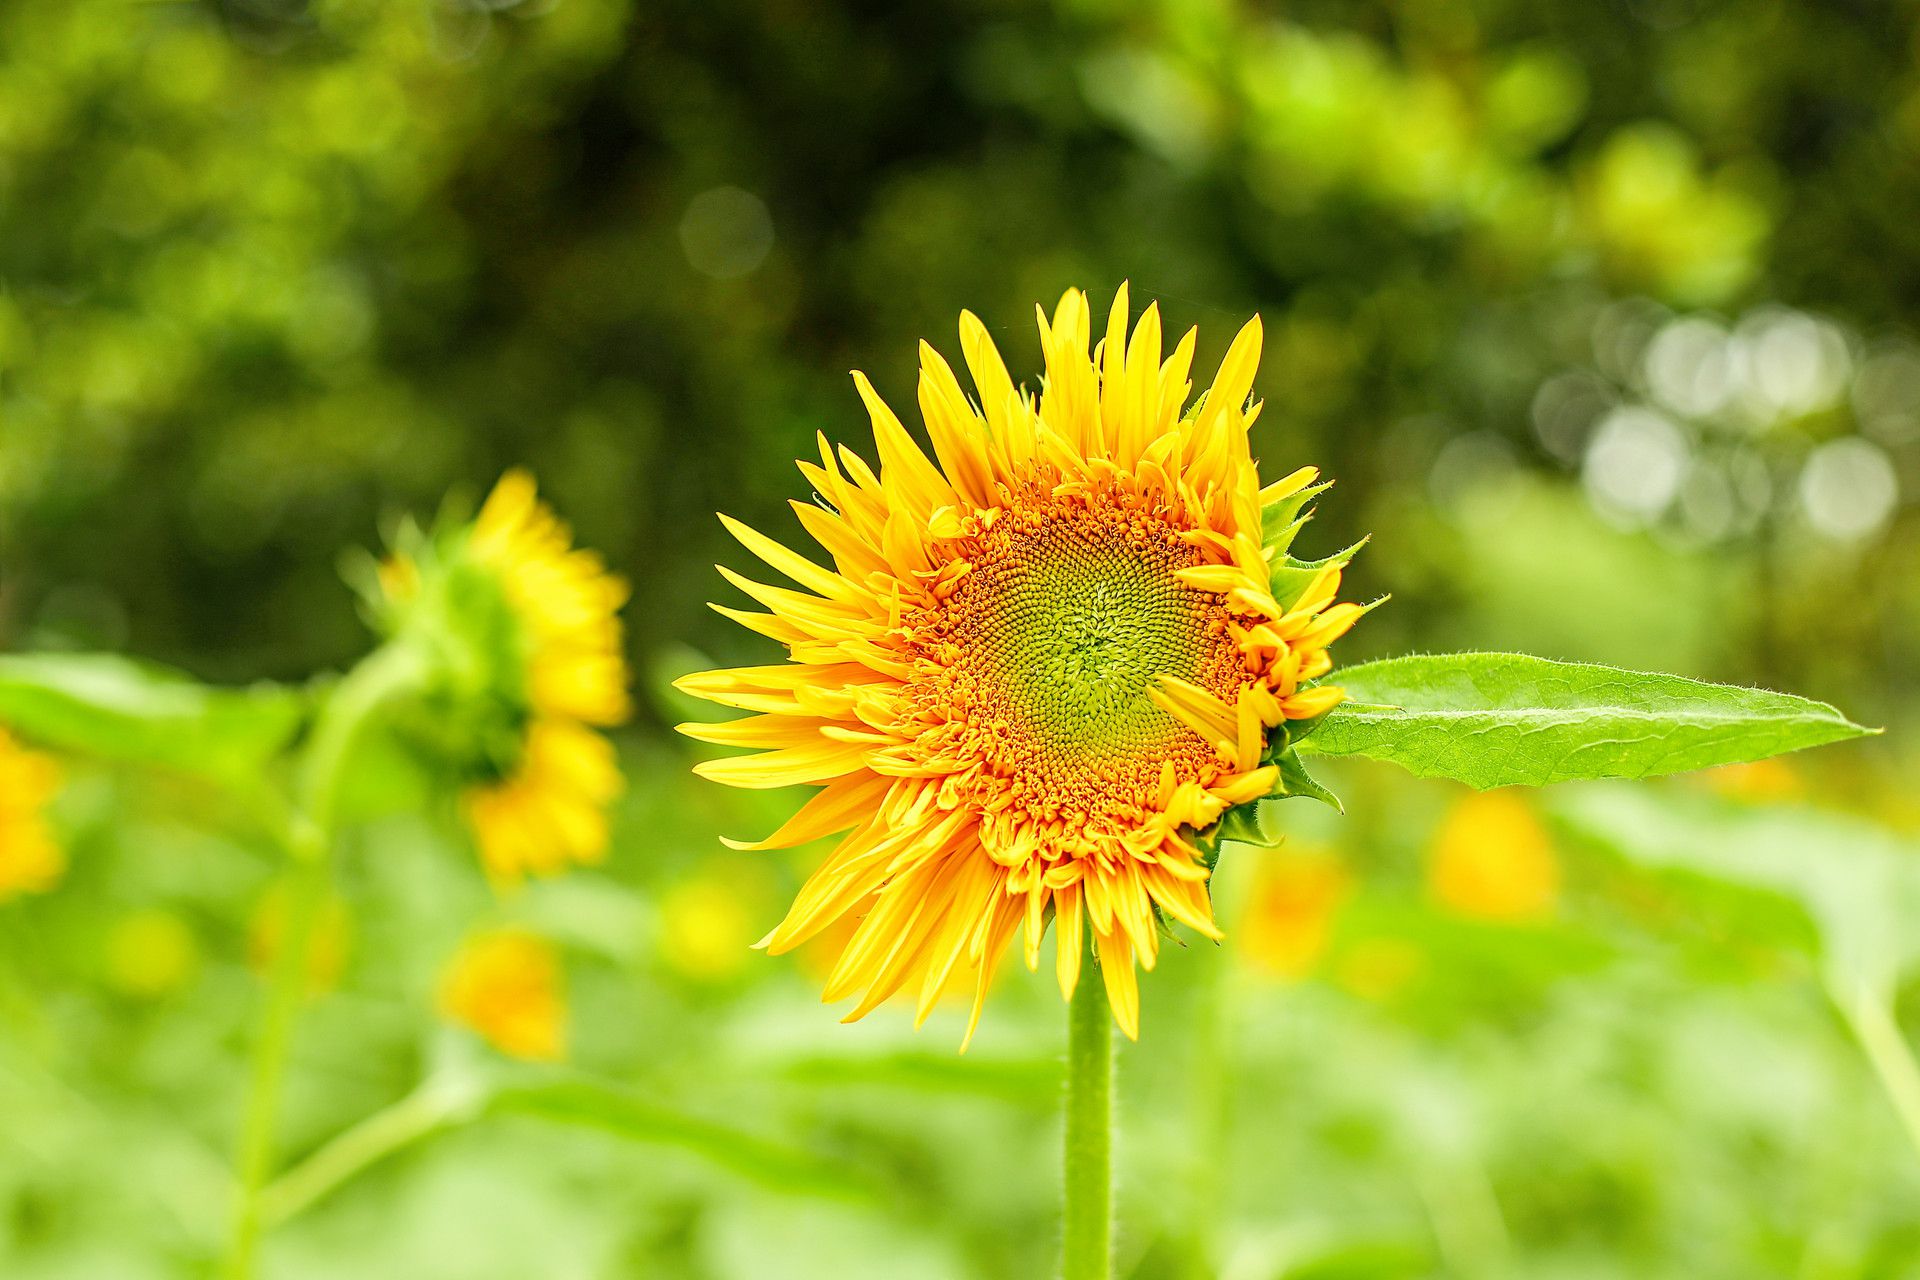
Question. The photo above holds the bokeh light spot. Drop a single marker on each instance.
(726, 233)
(1849, 489)
(1635, 466)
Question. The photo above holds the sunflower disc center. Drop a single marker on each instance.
(1041, 662)
(1085, 631)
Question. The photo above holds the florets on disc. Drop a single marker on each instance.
(1036, 668)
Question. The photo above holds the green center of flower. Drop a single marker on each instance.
(1085, 628)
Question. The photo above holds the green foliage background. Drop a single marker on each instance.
(1601, 314)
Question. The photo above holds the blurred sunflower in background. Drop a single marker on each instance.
(1289, 918)
(523, 629)
(1492, 859)
(1040, 665)
(508, 986)
(31, 860)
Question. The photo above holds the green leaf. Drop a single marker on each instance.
(118, 709)
(1501, 719)
(628, 1115)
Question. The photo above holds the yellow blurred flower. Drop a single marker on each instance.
(550, 809)
(30, 860)
(508, 985)
(1757, 782)
(150, 954)
(526, 627)
(709, 922)
(399, 577)
(1290, 916)
(1493, 860)
(566, 601)
(327, 950)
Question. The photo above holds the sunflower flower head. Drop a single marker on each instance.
(508, 986)
(523, 629)
(1041, 666)
(31, 861)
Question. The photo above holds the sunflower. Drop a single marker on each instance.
(30, 860)
(1040, 667)
(526, 629)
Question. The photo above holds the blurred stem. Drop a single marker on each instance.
(1087, 1226)
(434, 1106)
(380, 677)
(1871, 1018)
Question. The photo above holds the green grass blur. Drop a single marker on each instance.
(1603, 315)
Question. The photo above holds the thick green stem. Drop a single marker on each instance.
(362, 692)
(1087, 1224)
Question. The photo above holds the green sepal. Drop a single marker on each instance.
(1282, 519)
(473, 709)
(1296, 781)
(1292, 733)
(1257, 822)
(1288, 578)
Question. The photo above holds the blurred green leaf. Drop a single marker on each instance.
(1501, 719)
(627, 1115)
(1377, 1259)
(386, 775)
(1858, 883)
(1033, 1082)
(118, 709)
